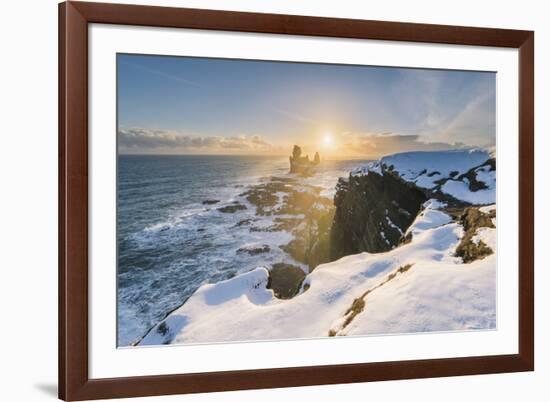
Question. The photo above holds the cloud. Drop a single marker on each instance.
(145, 140)
(475, 122)
(379, 144)
(444, 106)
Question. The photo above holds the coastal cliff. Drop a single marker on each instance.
(408, 228)
(372, 213)
(377, 203)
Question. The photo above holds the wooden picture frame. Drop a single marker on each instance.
(74, 381)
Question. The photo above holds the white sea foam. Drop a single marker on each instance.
(195, 244)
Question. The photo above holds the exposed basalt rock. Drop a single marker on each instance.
(311, 243)
(285, 280)
(320, 248)
(244, 222)
(473, 183)
(254, 250)
(210, 202)
(470, 177)
(301, 164)
(299, 209)
(373, 212)
(231, 209)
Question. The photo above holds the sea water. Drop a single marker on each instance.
(169, 242)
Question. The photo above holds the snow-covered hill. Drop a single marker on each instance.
(467, 175)
(441, 276)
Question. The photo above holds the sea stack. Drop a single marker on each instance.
(301, 164)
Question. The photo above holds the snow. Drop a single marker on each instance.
(485, 175)
(460, 190)
(437, 293)
(488, 236)
(428, 169)
(429, 218)
(374, 167)
(434, 204)
(424, 168)
(219, 301)
(431, 296)
(488, 208)
(434, 296)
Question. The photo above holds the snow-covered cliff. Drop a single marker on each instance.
(439, 276)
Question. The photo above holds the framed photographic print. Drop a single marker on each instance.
(258, 200)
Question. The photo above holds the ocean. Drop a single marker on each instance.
(170, 242)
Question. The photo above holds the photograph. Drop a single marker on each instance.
(267, 200)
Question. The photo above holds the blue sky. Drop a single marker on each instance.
(199, 105)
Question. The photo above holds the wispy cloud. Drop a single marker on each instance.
(443, 106)
(474, 122)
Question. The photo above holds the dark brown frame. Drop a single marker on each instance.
(74, 382)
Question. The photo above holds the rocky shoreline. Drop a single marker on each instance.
(378, 209)
(299, 209)
(369, 213)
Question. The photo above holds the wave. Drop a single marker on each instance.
(167, 260)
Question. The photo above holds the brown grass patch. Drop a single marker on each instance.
(473, 219)
(358, 304)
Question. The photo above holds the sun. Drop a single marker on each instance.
(327, 139)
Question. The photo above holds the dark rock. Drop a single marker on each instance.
(366, 207)
(311, 232)
(244, 222)
(264, 248)
(297, 249)
(162, 328)
(473, 183)
(316, 158)
(263, 196)
(285, 280)
(298, 202)
(230, 209)
(301, 164)
(210, 202)
(286, 224)
(311, 244)
(470, 175)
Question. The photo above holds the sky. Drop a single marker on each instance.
(185, 105)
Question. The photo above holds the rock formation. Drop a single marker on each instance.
(372, 213)
(376, 204)
(301, 164)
